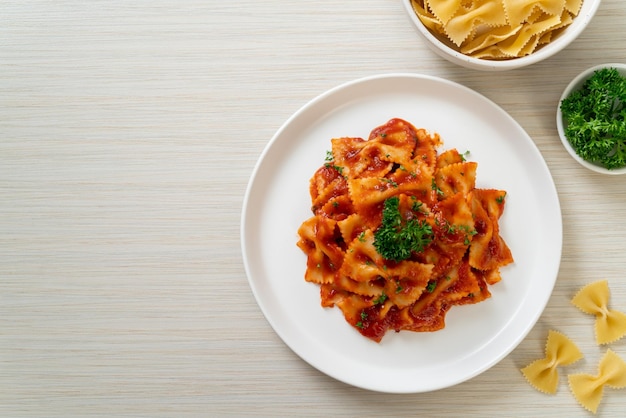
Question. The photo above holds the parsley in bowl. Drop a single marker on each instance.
(591, 118)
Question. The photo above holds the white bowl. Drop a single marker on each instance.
(586, 13)
(574, 85)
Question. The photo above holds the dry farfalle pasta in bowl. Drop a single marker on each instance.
(499, 34)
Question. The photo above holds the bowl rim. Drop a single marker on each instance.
(574, 85)
(586, 13)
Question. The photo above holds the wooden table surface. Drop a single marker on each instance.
(128, 134)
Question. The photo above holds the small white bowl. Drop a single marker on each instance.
(586, 13)
(574, 85)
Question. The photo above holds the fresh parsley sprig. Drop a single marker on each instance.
(397, 238)
(595, 119)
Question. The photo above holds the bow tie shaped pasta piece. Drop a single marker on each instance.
(593, 299)
(542, 373)
(588, 389)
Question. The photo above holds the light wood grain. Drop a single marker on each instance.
(128, 132)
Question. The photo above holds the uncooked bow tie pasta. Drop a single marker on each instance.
(542, 374)
(496, 29)
(593, 299)
(588, 390)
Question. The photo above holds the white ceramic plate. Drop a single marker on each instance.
(477, 336)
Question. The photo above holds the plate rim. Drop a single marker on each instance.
(364, 80)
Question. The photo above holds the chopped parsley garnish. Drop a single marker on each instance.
(363, 318)
(397, 238)
(595, 119)
(433, 186)
(417, 205)
(336, 167)
(380, 299)
(430, 288)
(469, 232)
(500, 199)
(390, 181)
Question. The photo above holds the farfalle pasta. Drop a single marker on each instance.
(589, 390)
(610, 326)
(496, 29)
(400, 233)
(593, 299)
(542, 374)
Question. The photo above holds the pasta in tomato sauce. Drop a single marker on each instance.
(399, 233)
